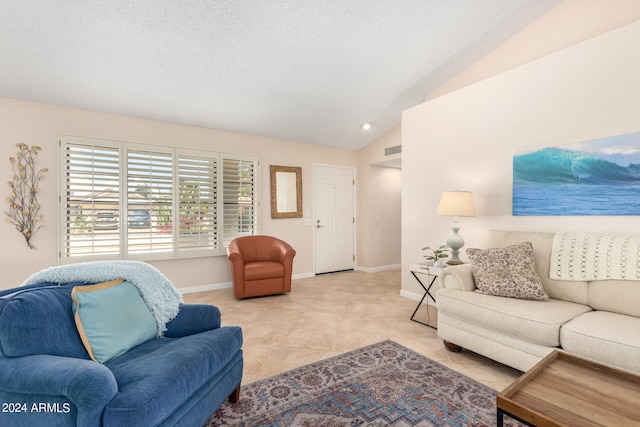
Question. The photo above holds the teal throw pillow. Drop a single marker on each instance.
(111, 318)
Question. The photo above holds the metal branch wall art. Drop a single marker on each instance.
(24, 209)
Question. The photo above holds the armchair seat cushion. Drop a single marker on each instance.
(150, 382)
(263, 270)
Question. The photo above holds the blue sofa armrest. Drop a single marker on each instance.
(88, 385)
(193, 319)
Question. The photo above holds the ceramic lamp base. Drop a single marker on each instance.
(455, 242)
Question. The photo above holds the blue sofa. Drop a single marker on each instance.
(47, 377)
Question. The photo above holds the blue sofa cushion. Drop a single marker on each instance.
(152, 384)
(112, 318)
(39, 320)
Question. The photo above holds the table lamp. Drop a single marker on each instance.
(456, 203)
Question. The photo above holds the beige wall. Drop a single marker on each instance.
(466, 139)
(479, 159)
(40, 124)
(569, 23)
(379, 204)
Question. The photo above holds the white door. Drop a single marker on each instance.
(334, 218)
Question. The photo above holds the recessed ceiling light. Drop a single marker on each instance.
(366, 126)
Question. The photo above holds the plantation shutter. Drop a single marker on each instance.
(197, 200)
(149, 180)
(240, 203)
(91, 215)
(122, 200)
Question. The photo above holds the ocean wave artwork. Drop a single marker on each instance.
(598, 177)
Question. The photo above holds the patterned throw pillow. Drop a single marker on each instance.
(507, 272)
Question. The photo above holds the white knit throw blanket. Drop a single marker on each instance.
(595, 256)
(162, 298)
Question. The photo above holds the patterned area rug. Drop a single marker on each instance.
(384, 384)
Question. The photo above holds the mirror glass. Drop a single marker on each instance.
(286, 192)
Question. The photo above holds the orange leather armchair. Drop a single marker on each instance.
(260, 265)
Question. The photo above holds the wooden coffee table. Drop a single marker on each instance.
(565, 390)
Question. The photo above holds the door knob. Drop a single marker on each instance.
(318, 224)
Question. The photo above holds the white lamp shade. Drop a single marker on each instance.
(456, 203)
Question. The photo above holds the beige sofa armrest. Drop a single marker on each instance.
(458, 277)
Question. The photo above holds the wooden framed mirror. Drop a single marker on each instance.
(286, 191)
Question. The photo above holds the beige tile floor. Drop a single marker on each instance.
(334, 313)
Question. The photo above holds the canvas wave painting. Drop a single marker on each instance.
(598, 177)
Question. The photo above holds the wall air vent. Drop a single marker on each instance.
(393, 150)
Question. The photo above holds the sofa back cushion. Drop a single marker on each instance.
(573, 291)
(39, 320)
(618, 296)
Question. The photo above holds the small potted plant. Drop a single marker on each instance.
(435, 256)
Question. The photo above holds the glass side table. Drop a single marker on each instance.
(431, 273)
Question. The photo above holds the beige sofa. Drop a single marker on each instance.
(597, 319)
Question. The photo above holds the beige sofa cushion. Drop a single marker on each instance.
(606, 337)
(542, 242)
(618, 296)
(538, 322)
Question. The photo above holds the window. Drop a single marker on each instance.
(198, 201)
(131, 201)
(239, 195)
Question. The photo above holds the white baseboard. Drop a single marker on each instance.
(227, 285)
(416, 297)
(377, 269)
(410, 295)
(203, 288)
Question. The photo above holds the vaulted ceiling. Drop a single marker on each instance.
(309, 71)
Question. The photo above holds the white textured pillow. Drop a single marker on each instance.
(507, 272)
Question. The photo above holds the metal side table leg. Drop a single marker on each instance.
(427, 294)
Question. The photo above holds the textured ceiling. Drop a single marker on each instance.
(305, 70)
